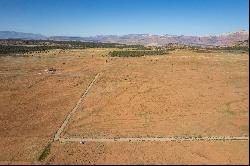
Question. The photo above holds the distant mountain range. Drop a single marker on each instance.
(20, 35)
(229, 38)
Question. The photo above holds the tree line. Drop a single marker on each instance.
(23, 46)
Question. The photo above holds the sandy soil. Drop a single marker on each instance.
(150, 153)
(143, 97)
(34, 103)
(180, 94)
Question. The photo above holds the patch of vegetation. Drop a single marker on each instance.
(202, 51)
(24, 49)
(136, 53)
(45, 152)
(234, 49)
(229, 49)
(17, 46)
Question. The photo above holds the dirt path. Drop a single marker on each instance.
(65, 122)
(159, 139)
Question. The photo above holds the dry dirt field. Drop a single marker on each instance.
(182, 94)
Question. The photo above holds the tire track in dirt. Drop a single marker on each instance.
(44, 152)
(158, 139)
(56, 137)
(65, 122)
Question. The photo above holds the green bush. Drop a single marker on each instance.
(136, 53)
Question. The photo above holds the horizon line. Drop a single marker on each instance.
(151, 34)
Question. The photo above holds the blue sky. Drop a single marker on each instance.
(119, 17)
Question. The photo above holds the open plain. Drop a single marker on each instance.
(98, 109)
